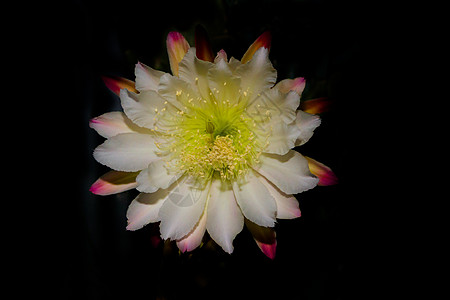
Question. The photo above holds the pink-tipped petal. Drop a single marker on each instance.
(177, 47)
(325, 174)
(194, 238)
(265, 238)
(268, 249)
(316, 106)
(114, 182)
(202, 44)
(262, 41)
(221, 55)
(114, 123)
(287, 85)
(115, 84)
(287, 205)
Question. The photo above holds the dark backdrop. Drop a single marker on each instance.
(328, 253)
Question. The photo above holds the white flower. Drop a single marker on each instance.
(208, 147)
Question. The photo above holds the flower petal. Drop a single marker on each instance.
(283, 138)
(144, 183)
(139, 112)
(176, 91)
(225, 219)
(258, 74)
(114, 123)
(233, 63)
(325, 174)
(182, 210)
(195, 237)
(143, 107)
(264, 237)
(144, 209)
(306, 123)
(156, 176)
(177, 47)
(255, 201)
(202, 45)
(297, 85)
(194, 71)
(289, 172)
(277, 105)
(262, 41)
(115, 84)
(220, 55)
(287, 205)
(128, 152)
(221, 82)
(146, 77)
(114, 182)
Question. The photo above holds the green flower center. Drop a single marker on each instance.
(212, 139)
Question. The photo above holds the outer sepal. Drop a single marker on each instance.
(115, 84)
(177, 47)
(114, 182)
(325, 174)
(262, 41)
(316, 106)
(265, 238)
(202, 44)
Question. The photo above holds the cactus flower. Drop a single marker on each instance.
(209, 146)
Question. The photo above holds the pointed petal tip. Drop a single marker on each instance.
(174, 36)
(297, 85)
(269, 250)
(177, 47)
(114, 182)
(93, 188)
(115, 84)
(263, 40)
(324, 173)
(94, 121)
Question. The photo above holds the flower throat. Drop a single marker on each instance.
(212, 139)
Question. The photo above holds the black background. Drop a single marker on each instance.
(334, 251)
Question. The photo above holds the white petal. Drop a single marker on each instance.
(306, 123)
(182, 210)
(255, 201)
(144, 209)
(286, 85)
(176, 91)
(233, 63)
(156, 176)
(221, 55)
(289, 172)
(194, 238)
(146, 77)
(258, 74)
(287, 205)
(225, 219)
(223, 84)
(194, 71)
(143, 183)
(114, 123)
(282, 138)
(128, 152)
(272, 102)
(160, 176)
(139, 109)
